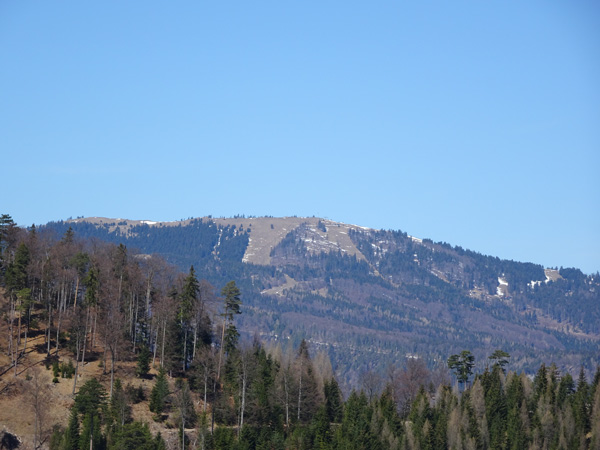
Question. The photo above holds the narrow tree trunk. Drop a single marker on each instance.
(10, 329)
(26, 331)
(155, 346)
(104, 362)
(195, 340)
(76, 293)
(19, 331)
(135, 323)
(148, 294)
(58, 330)
(205, 388)
(182, 430)
(49, 328)
(12, 343)
(85, 333)
(300, 389)
(35, 431)
(94, 332)
(184, 346)
(243, 406)
(162, 350)
(287, 399)
(77, 345)
(212, 410)
(131, 324)
(91, 432)
(112, 370)
(221, 351)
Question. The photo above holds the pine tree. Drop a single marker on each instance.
(500, 358)
(462, 364)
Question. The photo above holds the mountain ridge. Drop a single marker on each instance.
(278, 228)
(375, 295)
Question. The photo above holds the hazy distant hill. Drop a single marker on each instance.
(371, 297)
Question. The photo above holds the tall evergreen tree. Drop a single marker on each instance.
(71, 436)
(495, 405)
(581, 405)
(188, 299)
(16, 272)
(143, 362)
(333, 400)
(516, 430)
(355, 431)
(232, 295)
(159, 394)
(91, 434)
(500, 359)
(136, 436)
(91, 398)
(462, 364)
(308, 396)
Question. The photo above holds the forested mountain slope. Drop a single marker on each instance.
(106, 346)
(374, 297)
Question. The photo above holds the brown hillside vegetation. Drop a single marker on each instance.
(17, 407)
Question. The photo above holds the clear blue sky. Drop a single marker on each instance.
(473, 123)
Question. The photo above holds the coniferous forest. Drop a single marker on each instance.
(149, 357)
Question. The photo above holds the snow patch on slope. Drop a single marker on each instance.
(502, 289)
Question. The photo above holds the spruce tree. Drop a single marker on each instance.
(516, 432)
(495, 405)
(581, 405)
(333, 400)
(159, 393)
(232, 306)
(187, 303)
(91, 434)
(90, 398)
(71, 435)
(143, 362)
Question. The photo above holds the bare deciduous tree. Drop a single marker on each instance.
(38, 396)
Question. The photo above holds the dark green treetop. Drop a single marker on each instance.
(462, 365)
(500, 358)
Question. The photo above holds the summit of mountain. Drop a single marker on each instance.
(265, 233)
